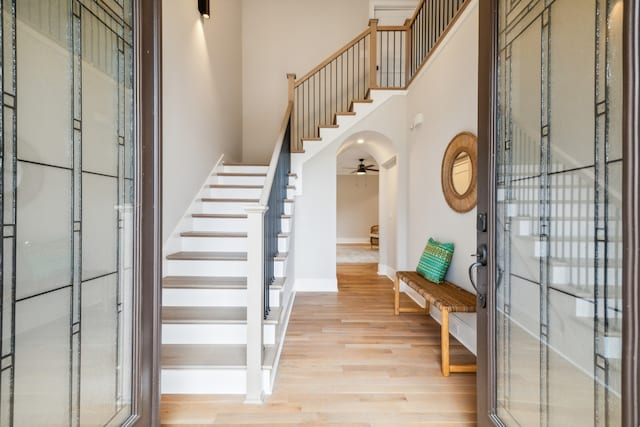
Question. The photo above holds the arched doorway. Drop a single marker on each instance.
(377, 187)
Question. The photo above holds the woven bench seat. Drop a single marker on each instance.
(446, 297)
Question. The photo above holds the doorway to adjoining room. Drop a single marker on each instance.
(357, 207)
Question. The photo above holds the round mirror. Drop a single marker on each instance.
(459, 172)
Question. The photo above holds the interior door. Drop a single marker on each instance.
(551, 183)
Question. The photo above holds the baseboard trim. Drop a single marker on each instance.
(353, 241)
(316, 285)
(385, 270)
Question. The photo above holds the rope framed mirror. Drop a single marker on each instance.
(459, 172)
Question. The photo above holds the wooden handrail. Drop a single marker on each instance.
(340, 51)
(415, 14)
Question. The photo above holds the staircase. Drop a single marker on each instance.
(227, 290)
(204, 316)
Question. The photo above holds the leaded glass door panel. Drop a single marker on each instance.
(68, 181)
(558, 213)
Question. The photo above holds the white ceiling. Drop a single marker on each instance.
(348, 160)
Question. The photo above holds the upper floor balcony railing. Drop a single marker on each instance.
(381, 57)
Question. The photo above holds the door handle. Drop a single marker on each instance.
(481, 261)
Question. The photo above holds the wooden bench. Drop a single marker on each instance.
(446, 297)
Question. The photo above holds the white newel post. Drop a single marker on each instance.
(255, 303)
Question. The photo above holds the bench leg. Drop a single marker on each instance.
(447, 367)
(397, 297)
(444, 342)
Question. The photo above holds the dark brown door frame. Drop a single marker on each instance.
(487, 72)
(149, 133)
(631, 218)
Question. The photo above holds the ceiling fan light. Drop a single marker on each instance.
(361, 172)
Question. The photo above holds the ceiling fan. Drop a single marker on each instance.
(362, 169)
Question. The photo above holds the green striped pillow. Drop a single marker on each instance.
(435, 260)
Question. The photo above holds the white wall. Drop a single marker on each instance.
(202, 98)
(269, 52)
(315, 226)
(446, 94)
(357, 207)
(315, 211)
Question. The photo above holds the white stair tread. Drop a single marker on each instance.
(240, 174)
(248, 164)
(581, 262)
(213, 234)
(281, 256)
(560, 218)
(210, 356)
(569, 239)
(241, 187)
(277, 284)
(220, 216)
(208, 256)
(211, 315)
(228, 200)
(203, 315)
(204, 282)
(587, 292)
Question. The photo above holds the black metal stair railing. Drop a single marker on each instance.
(274, 214)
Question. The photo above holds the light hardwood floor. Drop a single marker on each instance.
(348, 361)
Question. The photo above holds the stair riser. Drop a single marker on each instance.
(212, 334)
(206, 268)
(566, 275)
(280, 268)
(283, 244)
(566, 228)
(288, 208)
(245, 169)
(209, 381)
(576, 250)
(525, 194)
(342, 122)
(214, 244)
(292, 180)
(285, 225)
(238, 180)
(220, 224)
(212, 297)
(291, 193)
(233, 193)
(236, 208)
(558, 210)
(204, 381)
(587, 309)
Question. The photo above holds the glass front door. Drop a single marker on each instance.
(67, 212)
(558, 213)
